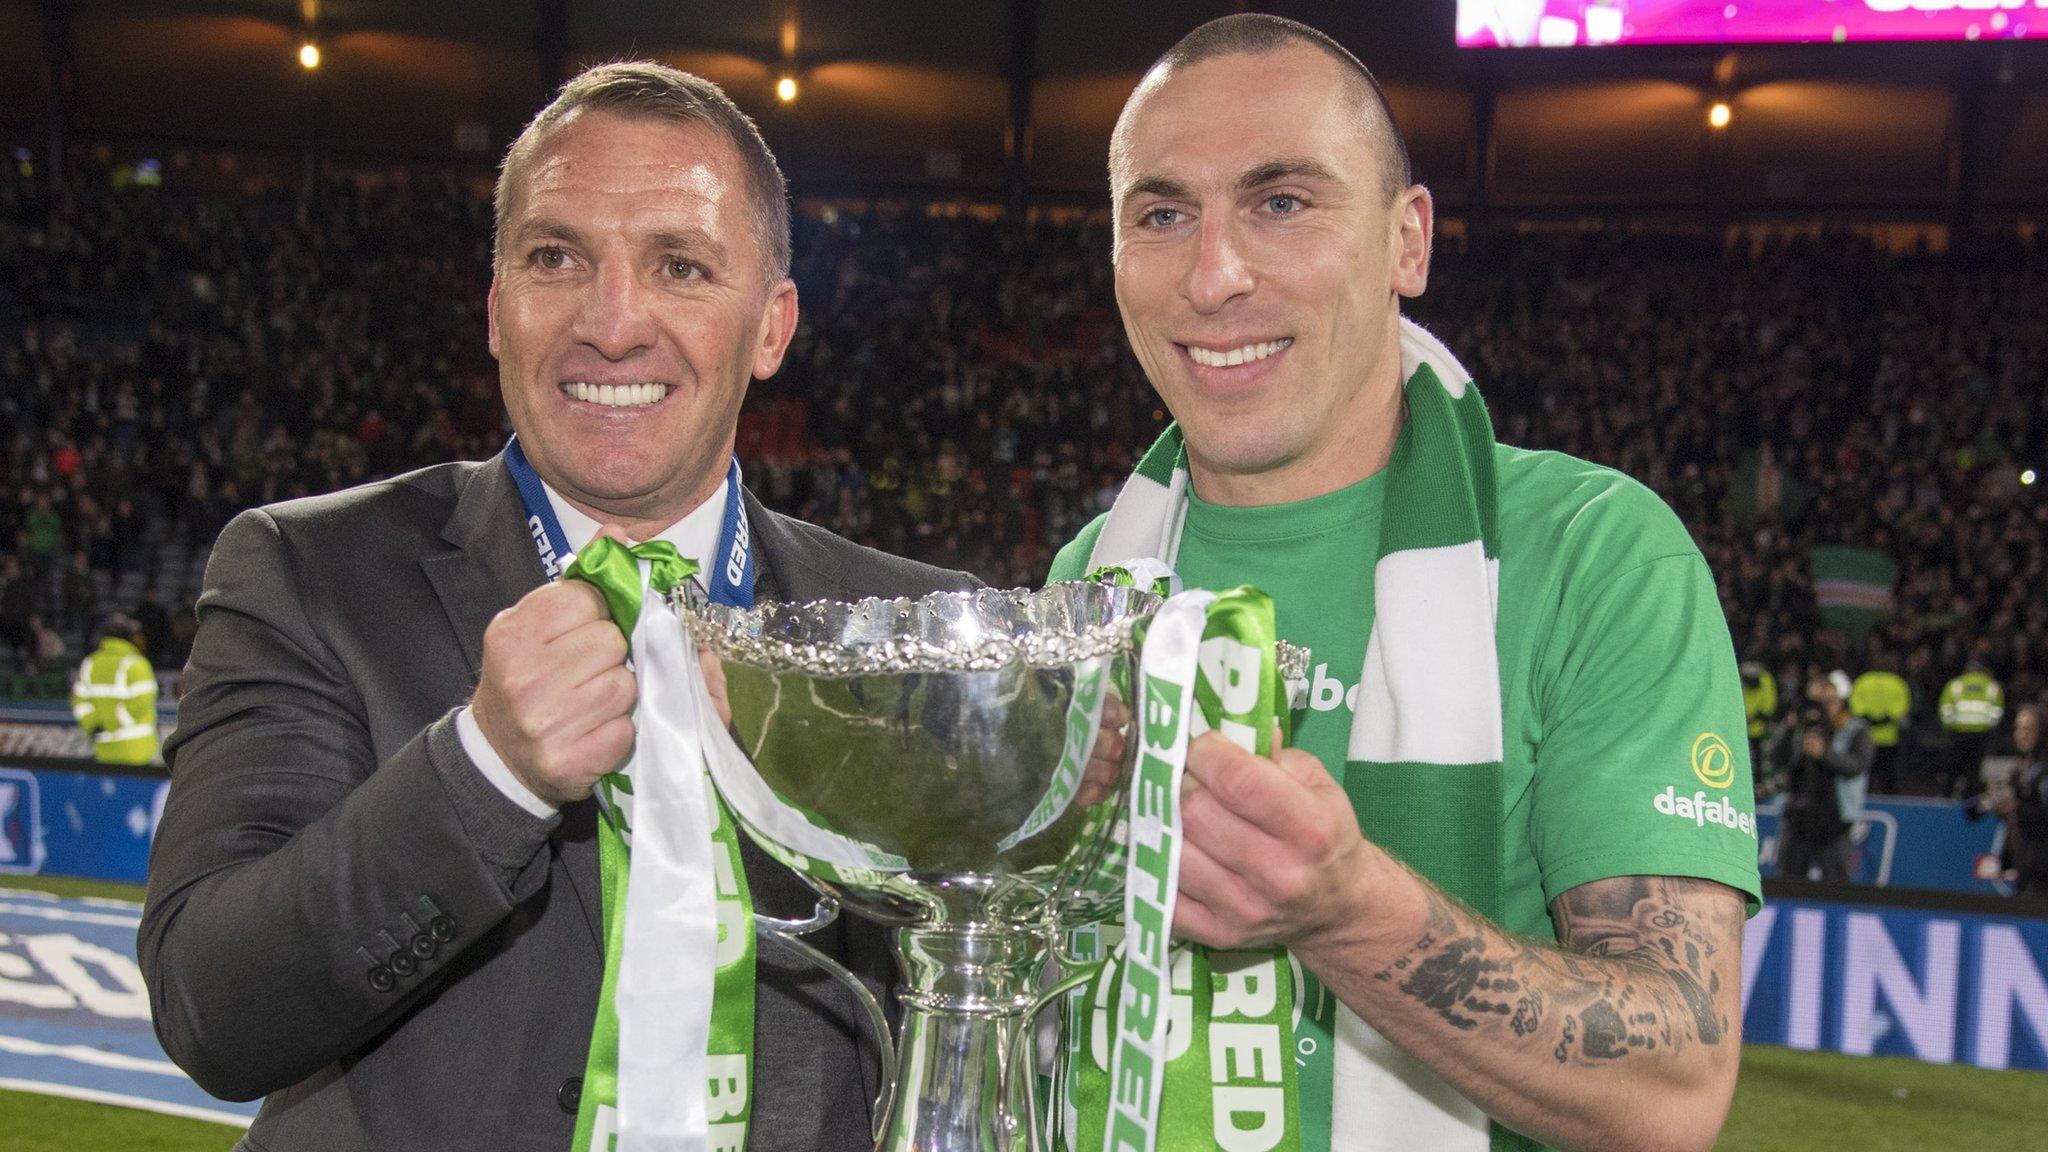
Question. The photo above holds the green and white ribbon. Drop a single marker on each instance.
(1425, 760)
(1143, 572)
(1209, 1030)
(677, 1002)
(1152, 874)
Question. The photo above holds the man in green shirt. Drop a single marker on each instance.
(1266, 229)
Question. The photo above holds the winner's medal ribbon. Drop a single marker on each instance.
(1202, 1048)
(677, 1002)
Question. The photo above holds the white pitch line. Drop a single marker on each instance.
(144, 1103)
(85, 1054)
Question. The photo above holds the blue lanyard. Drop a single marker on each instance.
(730, 574)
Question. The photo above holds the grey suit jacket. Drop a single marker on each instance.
(323, 818)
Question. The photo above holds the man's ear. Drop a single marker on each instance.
(1415, 215)
(491, 314)
(778, 325)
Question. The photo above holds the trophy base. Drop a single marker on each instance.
(969, 990)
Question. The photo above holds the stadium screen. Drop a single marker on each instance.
(1569, 23)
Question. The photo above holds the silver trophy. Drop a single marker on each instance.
(926, 763)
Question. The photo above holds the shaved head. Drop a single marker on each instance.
(1256, 34)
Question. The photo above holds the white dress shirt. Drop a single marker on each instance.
(695, 536)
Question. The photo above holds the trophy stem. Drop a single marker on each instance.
(968, 991)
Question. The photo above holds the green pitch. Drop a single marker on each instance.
(31, 1123)
(1785, 1101)
(1791, 1101)
(71, 888)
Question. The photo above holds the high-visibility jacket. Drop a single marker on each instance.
(1761, 702)
(1972, 703)
(114, 699)
(1883, 699)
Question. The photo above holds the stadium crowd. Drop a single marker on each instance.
(960, 392)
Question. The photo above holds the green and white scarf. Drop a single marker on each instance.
(1426, 743)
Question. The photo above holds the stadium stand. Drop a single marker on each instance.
(960, 392)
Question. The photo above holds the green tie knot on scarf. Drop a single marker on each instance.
(614, 570)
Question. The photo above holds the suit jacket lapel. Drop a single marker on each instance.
(492, 565)
(784, 568)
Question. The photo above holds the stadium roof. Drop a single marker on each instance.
(914, 95)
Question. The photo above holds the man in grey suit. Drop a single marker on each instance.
(374, 897)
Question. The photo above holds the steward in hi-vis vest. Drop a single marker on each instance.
(1973, 703)
(1760, 702)
(114, 697)
(1971, 706)
(1881, 697)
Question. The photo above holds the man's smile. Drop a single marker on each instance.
(1213, 355)
(644, 394)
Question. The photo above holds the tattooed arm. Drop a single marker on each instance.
(1625, 1035)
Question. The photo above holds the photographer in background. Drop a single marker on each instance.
(2022, 802)
(1824, 755)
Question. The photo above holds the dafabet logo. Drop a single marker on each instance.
(1712, 762)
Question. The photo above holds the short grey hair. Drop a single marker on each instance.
(657, 91)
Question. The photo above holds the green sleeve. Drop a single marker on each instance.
(1072, 561)
(1643, 762)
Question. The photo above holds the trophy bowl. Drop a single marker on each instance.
(927, 763)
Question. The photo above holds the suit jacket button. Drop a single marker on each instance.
(442, 928)
(569, 1097)
(381, 979)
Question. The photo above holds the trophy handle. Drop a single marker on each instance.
(786, 933)
(822, 915)
(1022, 1068)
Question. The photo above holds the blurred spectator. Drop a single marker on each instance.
(153, 623)
(2021, 802)
(1760, 702)
(43, 537)
(17, 606)
(1971, 706)
(183, 625)
(2026, 805)
(1823, 755)
(960, 391)
(44, 642)
(114, 697)
(1882, 698)
(79, 600)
